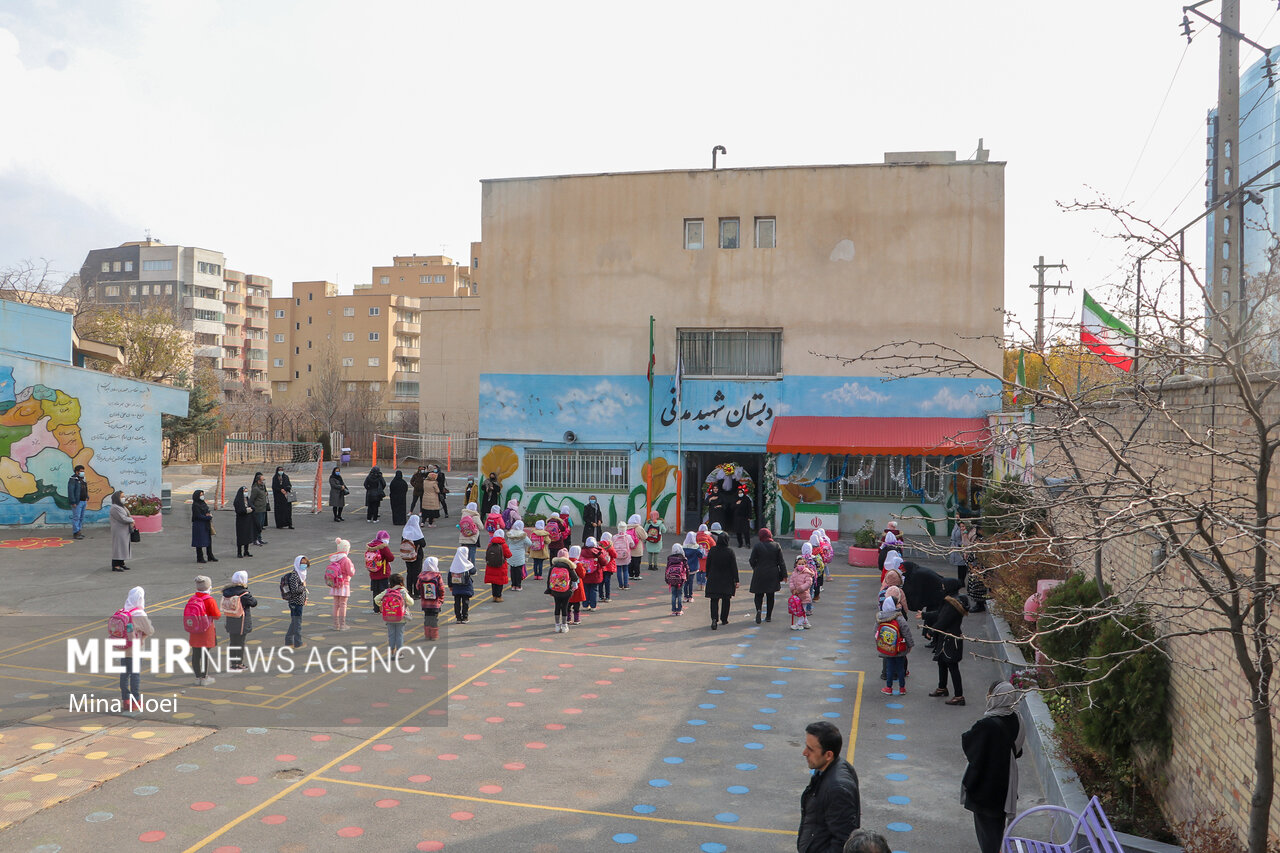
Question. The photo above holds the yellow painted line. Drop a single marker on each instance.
(561, 809)
(697, 662)
(218, 833)
(857, 719)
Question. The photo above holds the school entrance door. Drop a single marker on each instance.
(698, 466)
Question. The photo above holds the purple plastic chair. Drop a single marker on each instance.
(1090, 831)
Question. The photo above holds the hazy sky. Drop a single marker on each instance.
(311, 139)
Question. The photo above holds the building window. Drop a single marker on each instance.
(766, 232)
(89, 292)
(374, 311)
(115, 267)
(128, 266)
(375, 361)
(133, 290)
(888, 478)
(406, 389)
(348, 362)
(297, 350)
(373, 336)
(308, 344)
(308, 392)
(439, 279)
(297, 300)
(308, 368)
(146, 289)
(351, 386)
(209, 269)
(348, 336)
(106, 266)
(309, 295)
(282, 386)
(348, 312)
(279, 339)
(111, 290)
(295, 374)
(168, 290)
(297, 327)
(279, 313)
(730, 352)
(603, 470)
(693, 233)
(386, 279)
(729, 233)
(375, 386)
(156, 266)
(308, 320)
(424, 279)
(277, 362)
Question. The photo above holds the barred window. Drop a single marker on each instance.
(605, 470)
(730, 352)
(885, 478)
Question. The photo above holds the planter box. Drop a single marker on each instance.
(148, 523)
(865, 558)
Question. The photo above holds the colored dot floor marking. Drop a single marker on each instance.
(896, 756)
(429, 846)
(762, 727)
(697, 722)
(738, 789)
(895, 737)
(727, 817)
(626, 838)
(894, 705)
(713, 847)
(714, 692)
(754, 745)
(644, 809)
(686, 740)
(148, 790)
(98, 817)
(314, 792)
(274, 819)
(152, 836)
(773, 695)
(899, 800)
(659, 783)
(673, 759)
(751, 766)
(897, 777)
(706, 706)
(895, 721)
(898, 827)
(462, 815)
(202, 806)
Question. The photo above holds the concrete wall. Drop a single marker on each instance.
(450, 378)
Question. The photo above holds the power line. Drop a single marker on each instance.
(1156, 120)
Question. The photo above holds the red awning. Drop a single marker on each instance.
(878, 436)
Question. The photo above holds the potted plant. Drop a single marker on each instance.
(863, 552)
(145, 510)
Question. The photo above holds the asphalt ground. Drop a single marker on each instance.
(636, 730)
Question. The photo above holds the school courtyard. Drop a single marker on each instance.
(637, 730)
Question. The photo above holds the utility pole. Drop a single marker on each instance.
(1040, 287)
(1226, 175)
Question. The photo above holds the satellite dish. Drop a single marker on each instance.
(570, 436)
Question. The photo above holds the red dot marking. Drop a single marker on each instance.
(491, 789)
(467, 655)
(351, 721)
(480, 683)
(623, 659)
(314, 792)
(320, 738)
(515, 704)
(593, 644)
(590, 696)
(349, 768)
(274, 819)
(554, 727)
(460, 697)
(498, 671)
(566, 666)
(410, 729)
(616, 669)
(430, 846)
(382, 747)
(387, 804)
(573, 710)
(533, 690)
(202, 806)
(437, 712)
(521, 660)
(472, 737)
(462, 815)
(447, 756)
(493, 719)
(153, 835)
(286, 757)
(513, 765)
(483, 645)
(451, 666)
(502, 636)
(377, 705)
(536, 745)
(604, 681)
(419, 778)
(246, 780)
(404, 689)
(550, 677)
(350, 832)
(229, 849)
(639, 648)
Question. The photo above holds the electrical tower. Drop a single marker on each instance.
(1040, 287)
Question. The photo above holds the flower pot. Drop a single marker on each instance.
(148, 523)
(864, 557)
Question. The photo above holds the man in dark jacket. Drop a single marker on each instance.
(830, 808)
(417, 481)
(78, 497)
(444, 489)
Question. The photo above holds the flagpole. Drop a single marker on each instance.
(679, 435)
(648, 487)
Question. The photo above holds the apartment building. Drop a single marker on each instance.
(244, 344)
(423, 276)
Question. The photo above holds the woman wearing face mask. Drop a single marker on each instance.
(280, 489)
(293, 589)
(591, 519)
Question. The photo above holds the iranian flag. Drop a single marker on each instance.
(1106, 336)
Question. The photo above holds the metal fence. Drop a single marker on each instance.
(577, 469)
(453, 450)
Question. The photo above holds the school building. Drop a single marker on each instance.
(754, 278)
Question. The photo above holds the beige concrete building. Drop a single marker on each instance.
(752, 277)
(423, 276)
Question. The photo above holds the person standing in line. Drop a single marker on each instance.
(413, 554)
(722, 580)
(131, 623)
(557, 533)
(398, 491)
(945, 624)
(831, 805)
(260, 504)
(246, 523)
(800, 581)
(956, 556)
(375, 489)
(201, 528)
(992, 746)
(579, 594)
(430, 591)
(562, 580)
(236, 601)
(201, 602)
(431, 500)
(121, 528)
(693, 555)
(394, 604)
(338, 578)
(539, 542)
(866, 841)
(592, 561)
(377, 560)
(592, 518)
(609, 565)
(518, 543)
(495, 563)
(568, 525)
(443, 488)
(893, 643)
(337, 493)
(461, 587)
(469, 530)
(622, 547)
(78, 497)
(706, 542)
(492, 491)
(293, 589)
(417, 481)
(653, 530)
(768, 571)
(675, 574)
(510, 514)
(635, 533)
(471, 494)
(282, 494)
(743, 510)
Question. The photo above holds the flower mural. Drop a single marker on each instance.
(660, 468)
(500, 459)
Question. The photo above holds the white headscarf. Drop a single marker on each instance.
(591, 542)
(430, 564)
(575, 552)
(889, 605)
(472, 506)
(517, 525)
(606, 537)
(460, 565)
(822, 534)
(889, 538)
(806, 550)
(539, 524)
(241, 578)
(677, 550)
(412, 529)
(690, 540)
(564, 510)
(635, 519)
(892, 561)
(716, 528)
(136, 599)
(498, 534)
(299, 568)
(495, 508)
(815, 540)
(702, 528)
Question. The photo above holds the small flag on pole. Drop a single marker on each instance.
(1105, 335)
(1020, 376)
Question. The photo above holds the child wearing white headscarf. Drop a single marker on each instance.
(469, 525)
(236, 601)
(461, 586)
(431, 591)
(518, 542)
(412, 543)
(694, 553)
(636, 533)
(676, 574)
(539, 543)
(137, 626)
(337, 576)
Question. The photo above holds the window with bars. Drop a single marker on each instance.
(730, 352)
(602, 470)
(885, 478)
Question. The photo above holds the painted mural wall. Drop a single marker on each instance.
(54, 417)
(735, 416)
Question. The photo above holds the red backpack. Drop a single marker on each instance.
(558, 579)
(555, 529)
(195, 619)
(468, 526)
(118, 625)
(653, 532)
(374, 561)
(675, 573)
(393, 605)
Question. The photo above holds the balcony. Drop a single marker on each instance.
(408, 302)
(232, 362)
(403, 328)
(255, 323)
(202, 303)
(256, 301)
(406, 352)
(232, 383)
(232, 339)
(207, 351)
(258, 364)
(233, 296)
(260, 386)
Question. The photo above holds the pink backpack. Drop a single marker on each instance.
(118, 625)
(555, 529)
(795, 606)
(195, 619)
(468, 527)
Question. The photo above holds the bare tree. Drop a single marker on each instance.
(155, 347)
(329, 393)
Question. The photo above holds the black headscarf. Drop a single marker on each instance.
(722, 541)
(199, 509)
(116, 498)
(241, 503)
(399, 475)
(258, 478)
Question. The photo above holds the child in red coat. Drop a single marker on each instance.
(580, 592)
(495, 563)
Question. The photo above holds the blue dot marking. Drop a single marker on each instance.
(707, 706)
(724, 678)
(777, 682)
(900, 800)
(893, 756)
(738, 789)
(673, 759)
(896, 737)
(625, 838)
(731, 666)
(761, 727)
(737, 655)
(753, 767)
(697, 722)
(773, 695)
(643, 809)
(715, 692)
(663, 783)
(787, 657)
(713, 847)
(686, 740)
(894, 721)
(894, 705)
(754, 745)
(836, 686)
(727, 817)
(832, 715)
(896, 777)
(768, 710)
(835, 698)
(784, 669)
(898, 827)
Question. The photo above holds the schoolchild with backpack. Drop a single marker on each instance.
(706, 542)
(337, 576)
(539, 547)
(800, 582)
(694, 554)
(653, 530)
(293, 589)
(579, 594)
(518, 544)
(377, 562)
(594, 578)
(236, 602)
(495, 563)
(558, 534)
(609, 563)
(568, 526)
(622, 547)
(412, 545)
(431, 593)
(893, 643)
(393, 602)
(469, 530)
(461, 586)
(635, 533)
(199, 620)
(676, 573)
(130, 623)
(493, 521)
(561, 582)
